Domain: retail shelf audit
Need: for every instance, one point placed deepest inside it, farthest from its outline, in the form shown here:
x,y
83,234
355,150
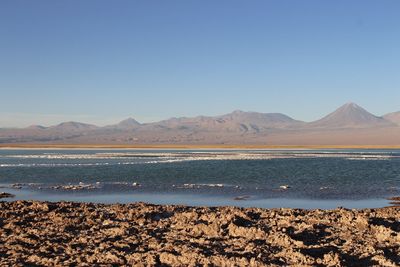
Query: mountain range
x,y
348,125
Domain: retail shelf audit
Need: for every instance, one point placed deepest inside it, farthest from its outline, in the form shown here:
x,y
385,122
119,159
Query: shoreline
x,y
63,233
74,193
206,201
192,146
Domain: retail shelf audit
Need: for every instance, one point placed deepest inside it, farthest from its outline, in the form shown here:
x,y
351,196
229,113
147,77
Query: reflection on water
x,y
196,200
271,178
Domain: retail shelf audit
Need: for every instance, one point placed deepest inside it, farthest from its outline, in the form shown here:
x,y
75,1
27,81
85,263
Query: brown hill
x,y
393,117
348,125
351,115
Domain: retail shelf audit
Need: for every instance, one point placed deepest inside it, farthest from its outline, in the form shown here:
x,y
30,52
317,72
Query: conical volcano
x,y
351,115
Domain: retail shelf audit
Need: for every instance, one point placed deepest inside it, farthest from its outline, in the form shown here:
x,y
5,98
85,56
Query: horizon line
x,y
350,103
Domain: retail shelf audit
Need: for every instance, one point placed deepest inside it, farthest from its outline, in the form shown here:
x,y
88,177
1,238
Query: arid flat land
x,y
190,146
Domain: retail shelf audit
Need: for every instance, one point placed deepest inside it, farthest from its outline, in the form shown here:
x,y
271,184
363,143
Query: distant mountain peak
x,y
36,127
351,105
129,121
73,125
261,120
350,115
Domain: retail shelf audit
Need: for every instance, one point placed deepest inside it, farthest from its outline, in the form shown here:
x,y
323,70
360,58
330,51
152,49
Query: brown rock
x,y
141,234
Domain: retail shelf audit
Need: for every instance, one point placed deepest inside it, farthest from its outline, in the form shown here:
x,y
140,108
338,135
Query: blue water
x,y
263,178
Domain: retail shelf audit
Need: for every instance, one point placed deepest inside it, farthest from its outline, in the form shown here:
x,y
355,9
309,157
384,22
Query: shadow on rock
x,y
312,236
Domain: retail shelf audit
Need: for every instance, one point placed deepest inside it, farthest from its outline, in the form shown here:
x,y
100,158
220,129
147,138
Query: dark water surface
x,y
263,178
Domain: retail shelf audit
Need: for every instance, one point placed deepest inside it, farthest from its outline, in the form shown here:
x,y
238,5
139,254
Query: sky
x,y
102,61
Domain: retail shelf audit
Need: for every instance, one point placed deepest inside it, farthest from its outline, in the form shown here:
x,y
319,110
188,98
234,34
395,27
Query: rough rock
x,y
36,233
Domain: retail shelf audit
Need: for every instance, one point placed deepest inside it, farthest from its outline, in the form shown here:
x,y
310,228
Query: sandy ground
x,y
83,234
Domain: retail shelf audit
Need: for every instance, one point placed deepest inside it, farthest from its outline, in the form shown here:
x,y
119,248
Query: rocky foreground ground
x,y
82,234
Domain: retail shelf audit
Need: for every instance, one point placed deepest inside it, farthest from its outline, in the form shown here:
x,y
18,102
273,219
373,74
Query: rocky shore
x,y
83,234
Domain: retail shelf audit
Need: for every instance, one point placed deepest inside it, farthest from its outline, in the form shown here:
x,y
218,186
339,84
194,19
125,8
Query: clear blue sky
x,y
102,61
